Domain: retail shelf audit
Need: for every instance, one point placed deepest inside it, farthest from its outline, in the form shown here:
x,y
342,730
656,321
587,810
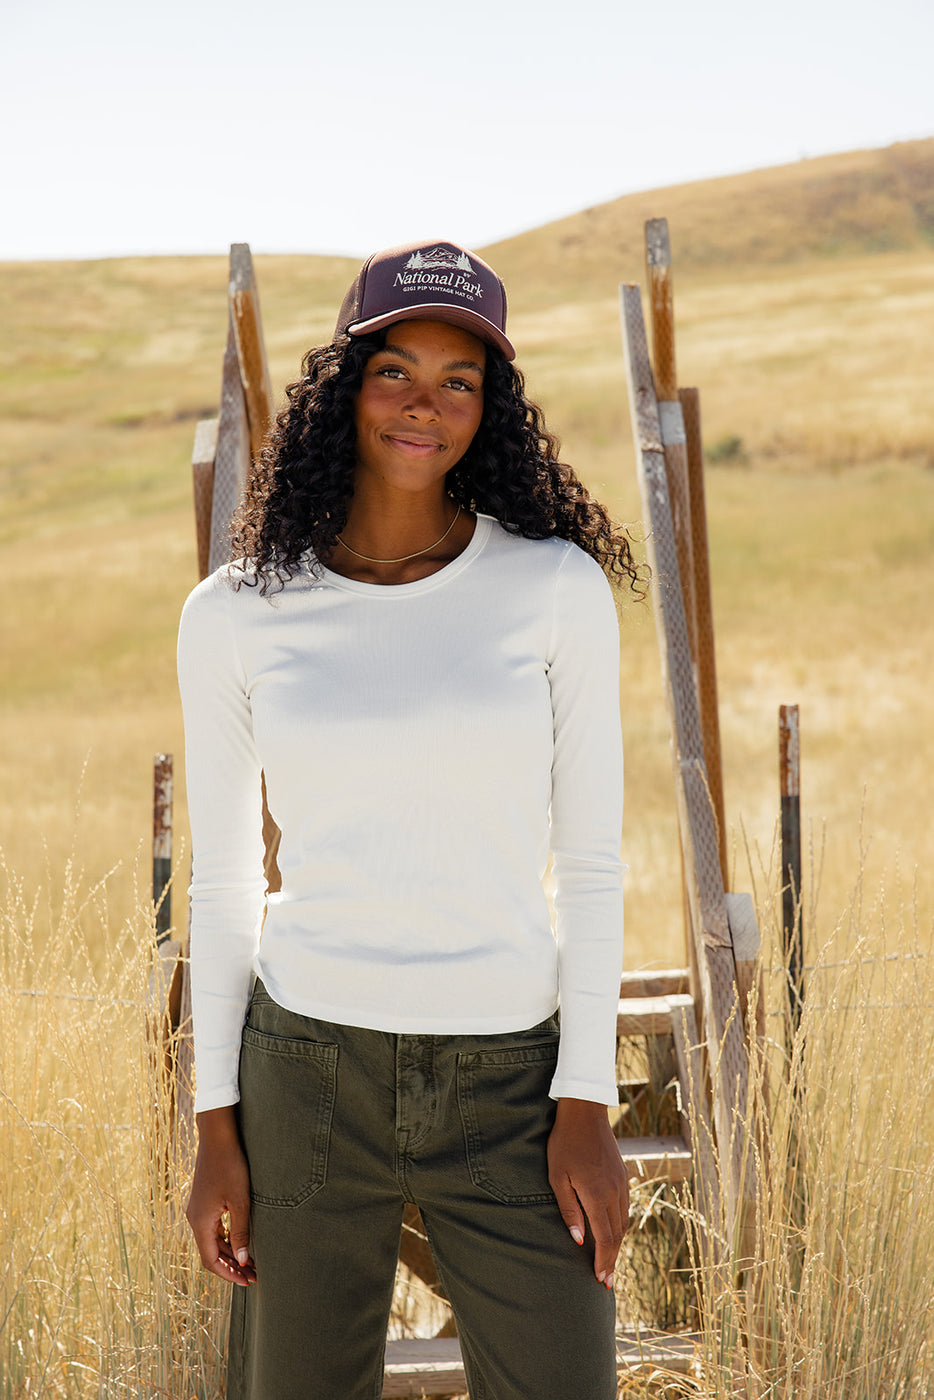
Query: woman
x,y
418,650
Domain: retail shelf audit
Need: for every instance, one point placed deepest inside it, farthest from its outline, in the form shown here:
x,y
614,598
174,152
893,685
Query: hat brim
x,y
453,315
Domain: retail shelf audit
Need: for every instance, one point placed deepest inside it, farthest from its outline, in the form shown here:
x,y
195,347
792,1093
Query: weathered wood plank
x,y
666,982
671,421
232,458
247,325
202,475
435,1367
643,1016
662,1158
744,931
695,1116
703,607
662,307
674,443
723,1026
670,1351
431,1367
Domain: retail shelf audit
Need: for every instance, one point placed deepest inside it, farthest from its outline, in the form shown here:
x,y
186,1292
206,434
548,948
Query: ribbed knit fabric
x,y
424,746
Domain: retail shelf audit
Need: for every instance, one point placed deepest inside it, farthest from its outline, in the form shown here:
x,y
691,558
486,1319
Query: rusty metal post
x,y
789,762
162,844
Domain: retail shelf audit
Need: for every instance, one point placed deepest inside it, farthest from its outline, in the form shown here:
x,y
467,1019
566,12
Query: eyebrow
x,y
452,365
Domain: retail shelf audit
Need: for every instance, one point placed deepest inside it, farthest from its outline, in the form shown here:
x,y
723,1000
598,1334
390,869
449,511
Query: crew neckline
x,y
478,539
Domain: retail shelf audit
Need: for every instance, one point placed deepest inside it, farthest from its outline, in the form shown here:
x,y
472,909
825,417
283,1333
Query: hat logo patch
x,y
439,257
441,270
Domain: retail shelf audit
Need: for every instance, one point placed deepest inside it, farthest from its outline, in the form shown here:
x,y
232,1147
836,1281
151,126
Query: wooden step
x,y
435,1367
643,1016
432,1367
664,1351
664,982
656,1158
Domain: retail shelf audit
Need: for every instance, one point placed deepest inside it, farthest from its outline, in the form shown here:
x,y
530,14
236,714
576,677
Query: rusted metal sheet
x,y
162,843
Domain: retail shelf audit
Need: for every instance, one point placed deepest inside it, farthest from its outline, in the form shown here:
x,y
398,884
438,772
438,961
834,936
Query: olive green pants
x,y
342,1127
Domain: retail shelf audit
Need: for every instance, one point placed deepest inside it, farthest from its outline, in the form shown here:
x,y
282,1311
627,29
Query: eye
x,y
463,385
391,371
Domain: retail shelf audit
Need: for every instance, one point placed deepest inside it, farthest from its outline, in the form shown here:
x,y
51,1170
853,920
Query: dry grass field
x,y
805,314
813,362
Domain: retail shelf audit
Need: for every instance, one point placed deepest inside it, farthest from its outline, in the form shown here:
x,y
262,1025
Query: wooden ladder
x,y
657,1019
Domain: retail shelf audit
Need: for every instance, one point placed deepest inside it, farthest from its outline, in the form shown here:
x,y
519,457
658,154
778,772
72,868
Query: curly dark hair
x,y
298,493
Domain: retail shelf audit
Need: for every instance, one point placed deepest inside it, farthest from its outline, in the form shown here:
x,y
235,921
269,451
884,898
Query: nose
x,y
422,404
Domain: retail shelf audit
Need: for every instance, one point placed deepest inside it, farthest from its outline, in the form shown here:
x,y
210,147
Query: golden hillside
x,y
875,201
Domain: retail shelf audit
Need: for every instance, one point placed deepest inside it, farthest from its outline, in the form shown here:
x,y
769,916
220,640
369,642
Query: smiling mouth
x,y
413,446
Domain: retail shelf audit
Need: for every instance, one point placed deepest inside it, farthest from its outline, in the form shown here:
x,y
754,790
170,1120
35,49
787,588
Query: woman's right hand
x,y
221,1184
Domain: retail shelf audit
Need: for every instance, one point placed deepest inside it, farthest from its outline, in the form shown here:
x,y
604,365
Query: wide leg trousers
x,y
342,1126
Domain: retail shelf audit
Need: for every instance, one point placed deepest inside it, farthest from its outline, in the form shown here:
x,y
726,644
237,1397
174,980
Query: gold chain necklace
x,y
403,557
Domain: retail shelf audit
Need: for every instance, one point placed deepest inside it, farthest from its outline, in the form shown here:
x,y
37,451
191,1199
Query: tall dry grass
x,y
101,1291
837,1298
102,1294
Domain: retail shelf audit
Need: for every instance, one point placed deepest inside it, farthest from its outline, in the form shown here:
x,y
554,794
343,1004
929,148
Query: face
x,y
420,404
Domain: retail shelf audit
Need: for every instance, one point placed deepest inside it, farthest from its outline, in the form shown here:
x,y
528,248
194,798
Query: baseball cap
x,y
427,282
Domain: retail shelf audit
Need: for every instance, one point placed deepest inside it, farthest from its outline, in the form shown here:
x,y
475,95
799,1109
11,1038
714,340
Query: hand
x,y
588,1178
221,1184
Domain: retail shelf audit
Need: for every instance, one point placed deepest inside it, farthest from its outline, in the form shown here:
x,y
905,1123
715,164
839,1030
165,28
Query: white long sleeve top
x,y
424,746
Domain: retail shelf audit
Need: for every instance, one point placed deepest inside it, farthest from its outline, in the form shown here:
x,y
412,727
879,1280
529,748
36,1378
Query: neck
x,y
390,529
406,536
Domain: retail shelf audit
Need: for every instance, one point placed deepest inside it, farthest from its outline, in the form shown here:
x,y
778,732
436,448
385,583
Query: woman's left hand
x,y
589,1179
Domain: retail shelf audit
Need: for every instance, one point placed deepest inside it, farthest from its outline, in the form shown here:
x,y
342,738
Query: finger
x,y
228,1267
606,1227
216,1252
570,1208
239,1234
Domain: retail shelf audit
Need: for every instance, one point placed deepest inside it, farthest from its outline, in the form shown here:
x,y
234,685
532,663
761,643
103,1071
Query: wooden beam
x,y
643,1016
723,1025
661,302
202,474
247,327
664,1158
419,1367
695,1117
666,982
703,607
744,931
232,458
671,421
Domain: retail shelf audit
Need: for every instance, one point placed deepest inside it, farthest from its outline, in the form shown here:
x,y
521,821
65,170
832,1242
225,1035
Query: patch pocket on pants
x,y
287,1091
507,1115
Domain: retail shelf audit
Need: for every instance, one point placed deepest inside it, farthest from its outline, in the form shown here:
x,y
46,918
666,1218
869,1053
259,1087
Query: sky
x,y
132,128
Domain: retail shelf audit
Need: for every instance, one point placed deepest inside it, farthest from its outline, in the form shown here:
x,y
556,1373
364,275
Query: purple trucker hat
x,y
427,282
